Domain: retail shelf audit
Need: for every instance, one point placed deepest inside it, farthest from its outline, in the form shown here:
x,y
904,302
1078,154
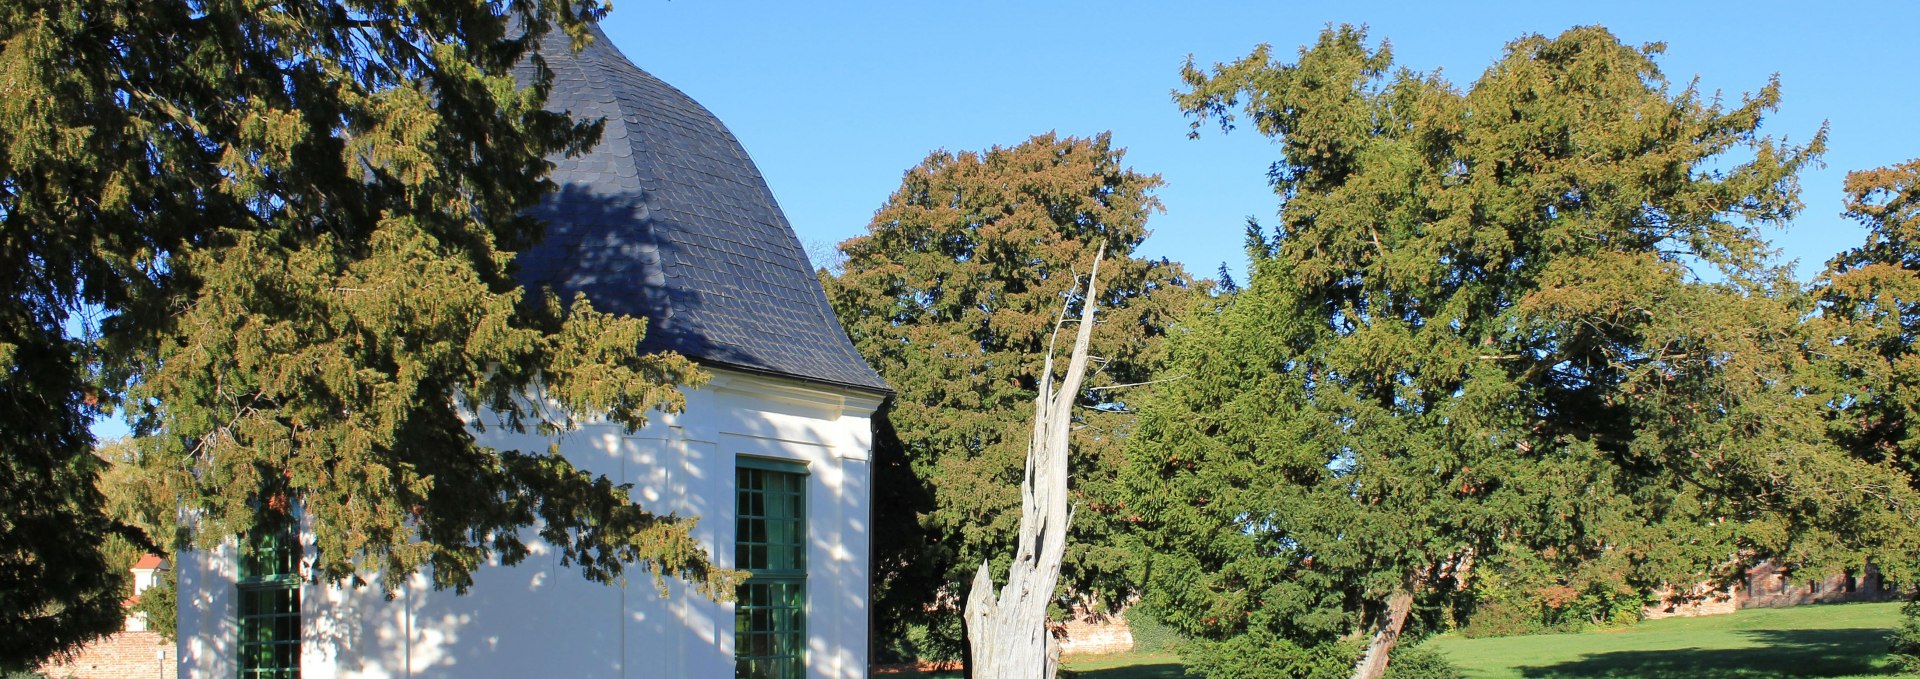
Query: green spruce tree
x,y
295,223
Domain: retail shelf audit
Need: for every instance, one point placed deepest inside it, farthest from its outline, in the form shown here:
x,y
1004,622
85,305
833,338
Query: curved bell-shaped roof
x,y
668,218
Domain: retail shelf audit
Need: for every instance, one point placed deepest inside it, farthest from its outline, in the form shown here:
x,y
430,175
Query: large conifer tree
x,y
1871,305
1532,314
294,222
1872,300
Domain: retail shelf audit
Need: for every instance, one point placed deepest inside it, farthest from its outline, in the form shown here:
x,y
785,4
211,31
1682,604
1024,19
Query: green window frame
x,y
269,593
770,544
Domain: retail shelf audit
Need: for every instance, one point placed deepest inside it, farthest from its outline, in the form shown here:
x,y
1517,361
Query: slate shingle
x,y
668,218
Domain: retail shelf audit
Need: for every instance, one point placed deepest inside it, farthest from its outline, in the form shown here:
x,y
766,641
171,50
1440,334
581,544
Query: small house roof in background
x,y
148,562
669,219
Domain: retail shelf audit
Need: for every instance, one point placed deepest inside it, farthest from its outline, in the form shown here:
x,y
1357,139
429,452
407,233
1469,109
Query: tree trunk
x,y
1373,664
1008,634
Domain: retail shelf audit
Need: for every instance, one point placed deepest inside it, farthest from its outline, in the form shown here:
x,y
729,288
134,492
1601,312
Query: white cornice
x,y
837,402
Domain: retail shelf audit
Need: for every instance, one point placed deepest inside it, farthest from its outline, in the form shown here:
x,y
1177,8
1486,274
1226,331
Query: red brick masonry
x,y
127,655
1768,586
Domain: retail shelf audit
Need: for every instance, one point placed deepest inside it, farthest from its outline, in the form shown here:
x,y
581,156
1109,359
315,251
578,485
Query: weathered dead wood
x,y
1008,633
1393,621
1373,663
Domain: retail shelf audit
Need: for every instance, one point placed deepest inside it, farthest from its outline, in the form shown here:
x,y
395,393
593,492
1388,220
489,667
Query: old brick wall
x,y
1703,599
1772,587
1769,586
1090,633
127,655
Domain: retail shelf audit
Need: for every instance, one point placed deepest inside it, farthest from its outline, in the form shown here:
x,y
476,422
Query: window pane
x,y
269,607
770,544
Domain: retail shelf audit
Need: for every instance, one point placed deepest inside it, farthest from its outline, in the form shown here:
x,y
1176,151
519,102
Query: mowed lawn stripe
x,y
1808,641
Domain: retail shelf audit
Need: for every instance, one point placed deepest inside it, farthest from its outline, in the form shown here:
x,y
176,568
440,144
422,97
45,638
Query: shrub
x,y
1149,634
1260,655
1906,638
921,643
1522,592
1501,620
1421,662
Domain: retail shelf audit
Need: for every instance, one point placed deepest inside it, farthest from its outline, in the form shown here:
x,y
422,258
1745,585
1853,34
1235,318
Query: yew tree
x,y
289,227
1871,305
1533,313
952,295
1871,297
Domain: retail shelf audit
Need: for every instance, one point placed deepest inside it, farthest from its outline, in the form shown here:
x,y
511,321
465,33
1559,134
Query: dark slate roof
x,y
668,218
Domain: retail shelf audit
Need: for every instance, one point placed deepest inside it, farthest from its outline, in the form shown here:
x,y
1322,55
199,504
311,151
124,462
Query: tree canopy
x,y
953,295
1870,299
1536,314
294,225
1871,296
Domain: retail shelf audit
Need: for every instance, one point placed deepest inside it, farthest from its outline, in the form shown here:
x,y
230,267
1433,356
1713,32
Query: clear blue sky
x,y
835,100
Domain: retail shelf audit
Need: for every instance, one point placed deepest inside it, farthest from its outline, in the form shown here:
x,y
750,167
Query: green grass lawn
x,y
1127,666
1840,640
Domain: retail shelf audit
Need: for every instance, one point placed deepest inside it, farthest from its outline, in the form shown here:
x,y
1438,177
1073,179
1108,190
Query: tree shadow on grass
x,y
1784,653
1166,670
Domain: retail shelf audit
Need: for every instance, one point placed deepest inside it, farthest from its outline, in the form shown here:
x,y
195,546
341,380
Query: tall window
x,y
270,607
770,610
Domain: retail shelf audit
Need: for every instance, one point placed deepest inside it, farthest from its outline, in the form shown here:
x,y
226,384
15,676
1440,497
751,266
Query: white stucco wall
x,y
540,619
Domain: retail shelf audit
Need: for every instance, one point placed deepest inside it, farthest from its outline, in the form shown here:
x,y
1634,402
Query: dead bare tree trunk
x,y
1373,663
1008,633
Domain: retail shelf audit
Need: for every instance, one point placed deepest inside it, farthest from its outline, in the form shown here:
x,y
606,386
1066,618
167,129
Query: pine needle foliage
x,y
1533,313
294,222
